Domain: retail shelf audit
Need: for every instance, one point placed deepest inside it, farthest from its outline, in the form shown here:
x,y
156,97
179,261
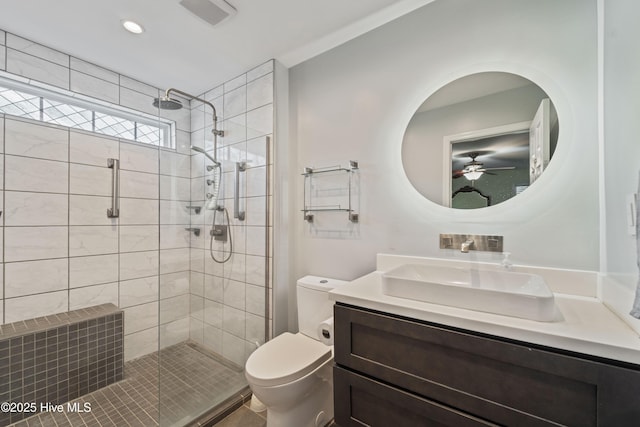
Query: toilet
x,y
293,373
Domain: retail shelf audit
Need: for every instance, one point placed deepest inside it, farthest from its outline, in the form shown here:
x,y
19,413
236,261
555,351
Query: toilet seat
x,y
285,359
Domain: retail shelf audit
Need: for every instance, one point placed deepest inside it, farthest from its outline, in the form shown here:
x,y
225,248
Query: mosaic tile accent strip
x,y
57,358
180,384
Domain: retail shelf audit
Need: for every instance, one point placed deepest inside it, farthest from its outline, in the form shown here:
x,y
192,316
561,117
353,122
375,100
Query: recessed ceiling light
x,y
132,27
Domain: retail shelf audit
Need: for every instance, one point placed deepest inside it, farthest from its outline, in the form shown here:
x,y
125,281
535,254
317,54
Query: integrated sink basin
x,y
500,292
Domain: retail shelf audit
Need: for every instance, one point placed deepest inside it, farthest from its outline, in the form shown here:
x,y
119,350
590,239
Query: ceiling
x,y
179,49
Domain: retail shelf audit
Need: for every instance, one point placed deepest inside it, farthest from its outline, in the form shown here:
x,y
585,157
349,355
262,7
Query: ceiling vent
x,y
211,11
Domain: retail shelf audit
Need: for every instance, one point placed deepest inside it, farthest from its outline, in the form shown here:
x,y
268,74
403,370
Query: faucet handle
x,y
506,261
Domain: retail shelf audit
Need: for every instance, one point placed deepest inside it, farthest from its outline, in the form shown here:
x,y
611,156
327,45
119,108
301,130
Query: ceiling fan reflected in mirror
x,y
474,169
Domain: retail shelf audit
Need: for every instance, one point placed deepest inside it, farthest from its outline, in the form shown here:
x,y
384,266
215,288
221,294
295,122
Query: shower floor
x,y
188,380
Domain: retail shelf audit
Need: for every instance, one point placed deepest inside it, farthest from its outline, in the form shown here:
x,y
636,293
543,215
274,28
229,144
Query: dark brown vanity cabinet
x,y
392,371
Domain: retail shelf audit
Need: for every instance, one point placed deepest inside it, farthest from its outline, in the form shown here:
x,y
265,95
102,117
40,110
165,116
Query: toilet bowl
x,y
293,373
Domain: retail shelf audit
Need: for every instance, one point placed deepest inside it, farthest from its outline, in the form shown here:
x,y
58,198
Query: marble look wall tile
x,y
138,158
140,343
213,288
94,70
90,210
233,321
36,68
196,310
260,92
139,211
234,294
24,138
256,181
138,101
174,188
256,211
255,269
174,260
198,186
33,243
93,240
235,130
1,127
3,57
27,174
257,151
255,298
174,284
93,295
260,122
32,209
140,317
214,93
254,328
175,164
260,70
135,238
35,49
174,308
139,185
93,270
29,307
89,180
233,348
212,338
35,277
196,330
91,149
136,265
197,260
172,212
138,291
235,102
174,237
256,240
94,87
183,142
174,332
213,313
235,83
196,283
138,86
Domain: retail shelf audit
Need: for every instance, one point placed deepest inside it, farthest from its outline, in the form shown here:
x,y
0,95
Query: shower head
x,y
167,103
200,150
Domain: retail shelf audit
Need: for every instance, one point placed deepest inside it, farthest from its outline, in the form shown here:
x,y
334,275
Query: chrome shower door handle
x,y
240,167
114,210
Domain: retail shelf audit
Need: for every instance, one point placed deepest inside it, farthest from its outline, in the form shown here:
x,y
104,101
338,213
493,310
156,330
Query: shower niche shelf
x,y
329,189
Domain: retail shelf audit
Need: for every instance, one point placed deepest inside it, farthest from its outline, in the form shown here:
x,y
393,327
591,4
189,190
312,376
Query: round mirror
x,y
480,140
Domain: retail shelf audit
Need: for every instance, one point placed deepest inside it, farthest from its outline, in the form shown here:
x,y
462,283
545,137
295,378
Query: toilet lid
x,y
285,358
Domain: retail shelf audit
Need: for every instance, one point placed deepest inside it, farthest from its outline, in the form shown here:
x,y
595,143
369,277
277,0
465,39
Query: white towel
x,y
635,310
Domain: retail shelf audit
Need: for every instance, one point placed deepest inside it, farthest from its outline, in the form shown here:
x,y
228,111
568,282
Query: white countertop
x,y
585,325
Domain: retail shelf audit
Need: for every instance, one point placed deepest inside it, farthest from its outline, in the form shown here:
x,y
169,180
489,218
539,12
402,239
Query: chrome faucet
x,y
464,248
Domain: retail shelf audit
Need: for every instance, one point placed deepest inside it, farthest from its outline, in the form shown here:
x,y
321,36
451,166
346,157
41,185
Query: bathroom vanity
x,y
401,362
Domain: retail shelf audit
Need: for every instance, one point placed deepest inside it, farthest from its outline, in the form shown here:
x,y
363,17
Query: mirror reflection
x,y
480,140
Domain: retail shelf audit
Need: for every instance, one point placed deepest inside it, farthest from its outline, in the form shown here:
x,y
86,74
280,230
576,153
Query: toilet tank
x,y
314,304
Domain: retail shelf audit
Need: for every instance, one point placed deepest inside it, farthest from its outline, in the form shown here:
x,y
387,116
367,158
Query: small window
x,y
70,110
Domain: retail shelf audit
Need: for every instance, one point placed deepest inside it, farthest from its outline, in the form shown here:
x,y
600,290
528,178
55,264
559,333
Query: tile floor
x,y
189,380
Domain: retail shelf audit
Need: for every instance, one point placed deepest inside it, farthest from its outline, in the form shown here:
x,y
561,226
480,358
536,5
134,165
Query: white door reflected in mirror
x,y
479,140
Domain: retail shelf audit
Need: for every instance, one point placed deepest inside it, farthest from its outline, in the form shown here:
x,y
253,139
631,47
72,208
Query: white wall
x,y
355,101
621,148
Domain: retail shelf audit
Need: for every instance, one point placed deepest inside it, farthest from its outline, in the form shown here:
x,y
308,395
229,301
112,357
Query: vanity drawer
x,y
365,402
498,380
